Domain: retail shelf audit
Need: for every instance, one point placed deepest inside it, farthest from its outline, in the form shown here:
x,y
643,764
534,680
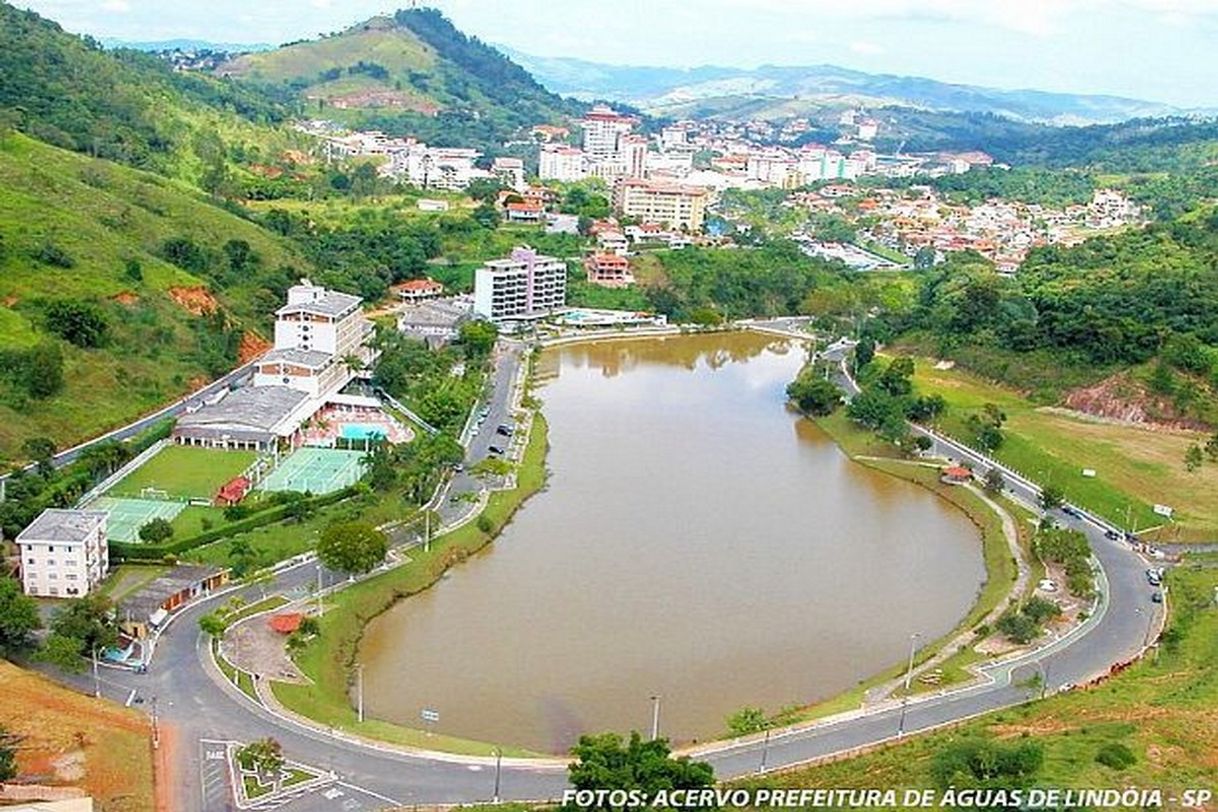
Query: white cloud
x,y
861,46
116,6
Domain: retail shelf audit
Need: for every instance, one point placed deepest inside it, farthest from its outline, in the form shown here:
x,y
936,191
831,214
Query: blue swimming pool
x,y
362,431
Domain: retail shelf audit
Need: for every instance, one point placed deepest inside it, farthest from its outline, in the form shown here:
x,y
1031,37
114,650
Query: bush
x,y
156,531
52,254
1116,756
80,323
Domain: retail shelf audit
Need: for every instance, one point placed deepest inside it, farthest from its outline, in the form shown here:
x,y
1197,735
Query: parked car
x,y
1070,511
1156,597
495,450
1112,534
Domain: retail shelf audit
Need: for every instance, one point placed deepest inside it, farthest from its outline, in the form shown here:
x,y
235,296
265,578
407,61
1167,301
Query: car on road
x,y
1156,597
1112,534
1153,579
496,450
505,430
1073,512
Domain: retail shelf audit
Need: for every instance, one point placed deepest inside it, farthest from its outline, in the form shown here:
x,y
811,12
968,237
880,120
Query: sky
x,y
1157,50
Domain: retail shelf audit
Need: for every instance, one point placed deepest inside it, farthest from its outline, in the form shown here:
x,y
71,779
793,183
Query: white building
x,y
64,553
634,155
603,129
510,172
676,137
526,285
449,168
562,163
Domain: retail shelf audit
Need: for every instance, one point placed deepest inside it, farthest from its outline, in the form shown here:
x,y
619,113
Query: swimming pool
x,y
362,431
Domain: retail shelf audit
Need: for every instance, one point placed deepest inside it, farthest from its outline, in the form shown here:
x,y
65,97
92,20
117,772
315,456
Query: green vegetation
x,y
18,619
352,547
1163,704
183,471
91,347
607,762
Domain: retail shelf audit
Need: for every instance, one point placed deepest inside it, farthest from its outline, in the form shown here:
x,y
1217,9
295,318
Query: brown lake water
x,y
696,541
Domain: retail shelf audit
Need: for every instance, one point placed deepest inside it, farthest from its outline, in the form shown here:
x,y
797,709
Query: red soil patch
x,y
265,171
197,300
297,157
252,345
10,301
125,298
1121,398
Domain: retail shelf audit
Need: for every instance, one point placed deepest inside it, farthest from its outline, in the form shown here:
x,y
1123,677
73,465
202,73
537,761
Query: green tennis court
x,y
127,516
316,470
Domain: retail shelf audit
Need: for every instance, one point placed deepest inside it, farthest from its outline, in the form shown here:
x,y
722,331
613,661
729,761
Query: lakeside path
x,y
200,707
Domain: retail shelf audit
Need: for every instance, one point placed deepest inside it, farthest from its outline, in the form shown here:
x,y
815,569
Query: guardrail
x,y
109,482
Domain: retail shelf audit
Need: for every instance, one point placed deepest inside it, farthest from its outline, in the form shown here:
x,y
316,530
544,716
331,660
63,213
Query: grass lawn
x,y
110,745
1163,711
327,661
128,578
185,471
1136,467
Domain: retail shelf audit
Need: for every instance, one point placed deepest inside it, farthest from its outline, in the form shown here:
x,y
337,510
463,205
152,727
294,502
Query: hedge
x,y
129,551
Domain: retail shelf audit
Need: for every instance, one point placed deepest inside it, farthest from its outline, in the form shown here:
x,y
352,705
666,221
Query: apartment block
x,y
670,204
64,553
526,285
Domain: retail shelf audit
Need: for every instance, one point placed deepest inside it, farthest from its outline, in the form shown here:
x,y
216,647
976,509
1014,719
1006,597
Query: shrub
x,y
156,531
1116,756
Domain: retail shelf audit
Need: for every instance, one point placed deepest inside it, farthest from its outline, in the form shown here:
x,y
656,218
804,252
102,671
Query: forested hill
x,y
412,72
1144,299
122,105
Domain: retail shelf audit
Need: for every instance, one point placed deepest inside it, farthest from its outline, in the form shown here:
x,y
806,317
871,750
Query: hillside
x,y
774,92
131,107
142,287
411,73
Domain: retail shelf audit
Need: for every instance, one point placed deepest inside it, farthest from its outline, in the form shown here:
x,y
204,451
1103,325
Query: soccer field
x,y
185,472
316,470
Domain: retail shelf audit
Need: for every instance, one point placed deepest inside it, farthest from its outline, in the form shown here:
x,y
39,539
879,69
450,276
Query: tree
x,y
478,338
814,395
923,443
994,482
40,450
896,377
8,754
263,755
1192,457
63,652
89,620
1051,497
606,762
924,259
156,531
1211,447
864,351
747,720
18,618
976,763
212,625
80,323
352,547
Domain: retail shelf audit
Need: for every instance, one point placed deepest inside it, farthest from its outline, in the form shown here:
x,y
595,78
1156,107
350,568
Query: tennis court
x,y
315,470
127,516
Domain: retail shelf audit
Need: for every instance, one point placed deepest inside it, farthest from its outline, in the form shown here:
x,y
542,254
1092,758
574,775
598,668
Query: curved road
x,y
199,707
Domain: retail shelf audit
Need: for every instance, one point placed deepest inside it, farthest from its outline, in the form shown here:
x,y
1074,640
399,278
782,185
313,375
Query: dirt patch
x,y
297,157
125,298
75,740
197,300
1122,399
9,301
374,99
252,345
1041,727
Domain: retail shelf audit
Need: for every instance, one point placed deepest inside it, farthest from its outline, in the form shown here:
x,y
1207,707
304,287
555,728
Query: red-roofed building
x,y
285,623
417,290
232,492
523,212
956,475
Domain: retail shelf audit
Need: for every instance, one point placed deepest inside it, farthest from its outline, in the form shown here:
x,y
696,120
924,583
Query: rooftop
x,y
260,408
329,303
314,359
59,525
149,598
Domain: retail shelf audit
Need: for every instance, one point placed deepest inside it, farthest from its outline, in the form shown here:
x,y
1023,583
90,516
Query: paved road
x,y
200,708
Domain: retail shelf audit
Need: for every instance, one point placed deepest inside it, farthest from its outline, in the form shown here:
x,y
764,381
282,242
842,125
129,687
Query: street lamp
x,y
765,751
913,641
498,767
96,676
655,717
359,690
319,588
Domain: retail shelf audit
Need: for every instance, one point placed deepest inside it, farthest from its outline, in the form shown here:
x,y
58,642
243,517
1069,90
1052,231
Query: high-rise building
x,y
670,204
526,285
562,163
604,128
633,151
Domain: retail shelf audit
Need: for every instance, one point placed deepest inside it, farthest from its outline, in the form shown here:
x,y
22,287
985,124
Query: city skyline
x,y
1075,46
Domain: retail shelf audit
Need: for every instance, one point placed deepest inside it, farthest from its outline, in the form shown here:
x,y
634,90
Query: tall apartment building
x,y
526,285
634,155
509,171
603,129
673,205
64,553
562,163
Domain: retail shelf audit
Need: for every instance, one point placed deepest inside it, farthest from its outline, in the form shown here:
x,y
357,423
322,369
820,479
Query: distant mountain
x,y
775,92
413,71
157,46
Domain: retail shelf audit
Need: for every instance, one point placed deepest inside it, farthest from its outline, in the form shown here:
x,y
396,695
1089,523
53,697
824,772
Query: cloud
x,y
860,46
116,6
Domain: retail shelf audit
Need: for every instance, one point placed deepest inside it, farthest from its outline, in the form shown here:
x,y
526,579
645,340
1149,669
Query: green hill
x,y
131,107
141,285
410,73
